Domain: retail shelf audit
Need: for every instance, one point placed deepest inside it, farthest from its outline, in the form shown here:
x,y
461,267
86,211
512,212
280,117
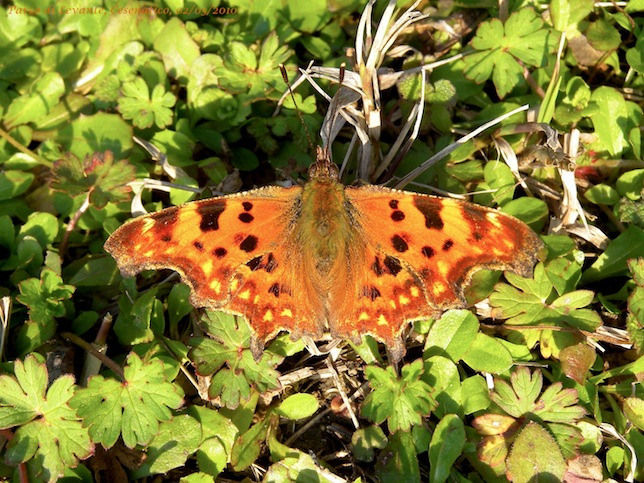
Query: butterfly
x,y
324,256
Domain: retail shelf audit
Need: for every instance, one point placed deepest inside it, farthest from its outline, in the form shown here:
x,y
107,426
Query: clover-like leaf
x,y
246,71
555,409
402,402
50,436
521,397
98,176
529,302
143,109
504,49
45,298
230,345
132,408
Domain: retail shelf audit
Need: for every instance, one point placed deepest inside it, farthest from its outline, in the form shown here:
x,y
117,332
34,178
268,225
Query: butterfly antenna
x,y
297,109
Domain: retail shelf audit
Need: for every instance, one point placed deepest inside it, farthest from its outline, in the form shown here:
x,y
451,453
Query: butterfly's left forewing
x,y
235,253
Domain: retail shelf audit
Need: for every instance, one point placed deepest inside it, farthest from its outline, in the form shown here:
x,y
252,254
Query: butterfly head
x,y
323,168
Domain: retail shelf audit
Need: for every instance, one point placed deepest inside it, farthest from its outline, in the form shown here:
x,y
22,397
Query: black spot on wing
x,y
246,217
254,263
428,252
430,209
166,238
397,216
399,243
249,244
210,212
371,292
376,267
447,245
263,262
389,265
271,263
275,290
393,265
220,252
247,205
198,245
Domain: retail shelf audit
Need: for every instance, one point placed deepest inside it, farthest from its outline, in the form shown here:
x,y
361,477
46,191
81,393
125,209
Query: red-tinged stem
x,y
72,224
118,370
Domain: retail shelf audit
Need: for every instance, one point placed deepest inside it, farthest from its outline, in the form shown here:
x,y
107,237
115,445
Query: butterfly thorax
x,y
324,228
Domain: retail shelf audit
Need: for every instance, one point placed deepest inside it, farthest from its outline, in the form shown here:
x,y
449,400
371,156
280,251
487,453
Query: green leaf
x,y
634,411
100,177
533,304
535,455
475,394
219,435
506,48
635,56
611,263
45,298
631,184
635,318
521,398
248,445
42,226
499,177
135,318
230,345
602,194
602,35
179,303
14,183
573,300
97,133
446,446
611,120
177,49
133,408
452,334
488,354
532,211
298,406
50,436
246,71
145,109
398,461
563,273
175,441
402,402
298,466
308,15
43,96
443,377
567,13
366,440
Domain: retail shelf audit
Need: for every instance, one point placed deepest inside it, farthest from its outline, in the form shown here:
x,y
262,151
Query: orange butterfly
x,y
356,260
